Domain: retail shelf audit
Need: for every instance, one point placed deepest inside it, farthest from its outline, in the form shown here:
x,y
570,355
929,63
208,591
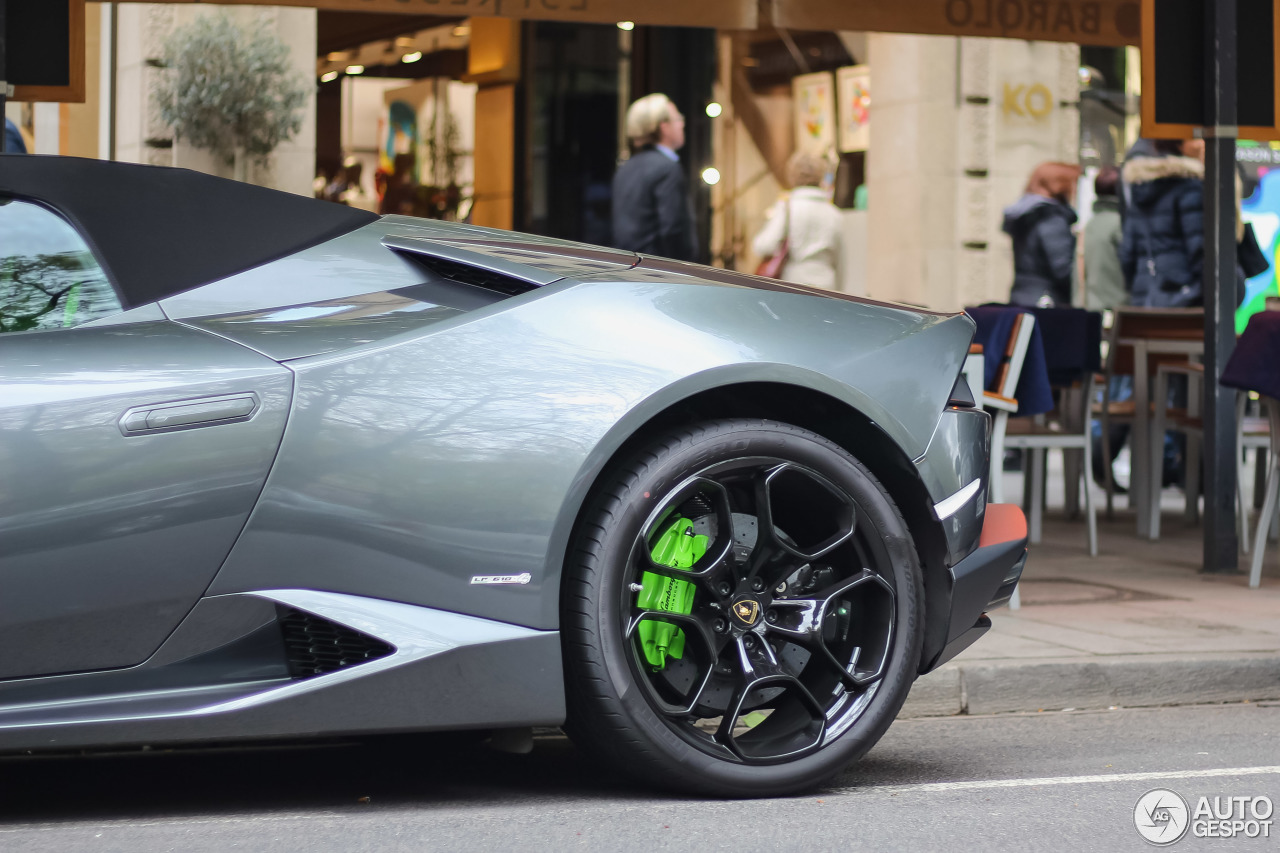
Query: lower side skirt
x,y
447,671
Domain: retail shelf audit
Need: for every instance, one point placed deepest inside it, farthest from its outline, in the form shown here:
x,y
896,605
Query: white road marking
x,y
1098,779
126,823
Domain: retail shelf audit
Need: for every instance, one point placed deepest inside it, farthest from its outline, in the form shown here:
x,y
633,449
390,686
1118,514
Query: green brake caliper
x,y
678,548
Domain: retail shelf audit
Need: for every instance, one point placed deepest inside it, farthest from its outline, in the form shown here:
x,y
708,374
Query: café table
x,y
1153,335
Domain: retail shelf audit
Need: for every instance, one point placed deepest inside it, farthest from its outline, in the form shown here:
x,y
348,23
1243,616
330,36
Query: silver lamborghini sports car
x,y
276,468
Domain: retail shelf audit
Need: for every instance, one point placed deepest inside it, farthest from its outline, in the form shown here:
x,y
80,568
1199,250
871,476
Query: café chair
x,y
1071,341
973,370
1187,421
1002,401
1148,337
1272,489
1068,427
1252,433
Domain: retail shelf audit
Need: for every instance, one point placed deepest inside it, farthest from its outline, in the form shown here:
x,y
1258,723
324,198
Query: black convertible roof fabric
x,y
160,231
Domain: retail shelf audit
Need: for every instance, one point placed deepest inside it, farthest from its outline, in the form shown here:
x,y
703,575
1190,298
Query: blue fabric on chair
x,y
994,323
1072,342
1255,363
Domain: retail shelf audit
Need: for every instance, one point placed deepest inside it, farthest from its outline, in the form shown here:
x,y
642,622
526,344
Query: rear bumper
x,y
984,580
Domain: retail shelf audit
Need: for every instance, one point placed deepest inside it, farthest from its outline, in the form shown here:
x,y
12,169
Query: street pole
x,y
4,84
1221,548
624,92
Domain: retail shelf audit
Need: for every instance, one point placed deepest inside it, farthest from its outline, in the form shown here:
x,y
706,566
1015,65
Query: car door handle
x,y
189,414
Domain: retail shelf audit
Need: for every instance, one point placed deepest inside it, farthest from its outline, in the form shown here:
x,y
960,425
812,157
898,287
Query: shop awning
x,y
724,14
1094,22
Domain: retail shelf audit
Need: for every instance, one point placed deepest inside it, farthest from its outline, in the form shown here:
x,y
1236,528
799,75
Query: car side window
x,y
48,277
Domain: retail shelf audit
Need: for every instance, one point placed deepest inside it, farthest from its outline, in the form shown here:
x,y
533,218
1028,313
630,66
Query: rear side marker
x,y
950,506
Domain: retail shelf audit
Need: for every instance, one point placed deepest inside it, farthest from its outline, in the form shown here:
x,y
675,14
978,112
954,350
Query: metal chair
x,y
1069,430
1272,493
1251,433
1002,401
1187,421
1140,340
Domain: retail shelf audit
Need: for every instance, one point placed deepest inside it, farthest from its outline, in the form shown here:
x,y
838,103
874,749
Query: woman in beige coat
x,y
808,222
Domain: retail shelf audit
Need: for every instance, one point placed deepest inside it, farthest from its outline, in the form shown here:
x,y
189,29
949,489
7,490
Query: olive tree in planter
x,y
230,91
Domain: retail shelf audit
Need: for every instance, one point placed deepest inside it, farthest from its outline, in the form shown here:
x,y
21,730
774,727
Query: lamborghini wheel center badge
x,y
746,611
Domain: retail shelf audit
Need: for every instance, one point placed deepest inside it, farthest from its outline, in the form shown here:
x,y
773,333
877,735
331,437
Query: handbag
x,y
771,267
1249,254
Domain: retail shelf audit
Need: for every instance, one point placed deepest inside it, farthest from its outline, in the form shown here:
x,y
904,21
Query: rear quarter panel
x,y
410,466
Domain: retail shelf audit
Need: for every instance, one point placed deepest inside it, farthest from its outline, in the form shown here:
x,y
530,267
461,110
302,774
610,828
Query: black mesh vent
x,y
467,274
315,646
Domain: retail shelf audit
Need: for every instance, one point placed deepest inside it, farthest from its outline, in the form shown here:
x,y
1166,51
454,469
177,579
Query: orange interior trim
x,y
1003,523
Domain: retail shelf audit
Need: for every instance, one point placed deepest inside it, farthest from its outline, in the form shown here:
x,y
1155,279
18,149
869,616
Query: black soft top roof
x,y
160,231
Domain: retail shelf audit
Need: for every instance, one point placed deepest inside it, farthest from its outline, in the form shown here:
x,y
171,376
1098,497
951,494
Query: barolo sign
x,y
1098,22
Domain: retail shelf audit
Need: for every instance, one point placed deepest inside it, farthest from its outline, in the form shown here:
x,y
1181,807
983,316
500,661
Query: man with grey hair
x,y
652,213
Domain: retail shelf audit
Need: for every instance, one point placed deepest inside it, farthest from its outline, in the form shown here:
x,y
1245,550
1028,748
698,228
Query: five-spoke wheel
x,y
740,611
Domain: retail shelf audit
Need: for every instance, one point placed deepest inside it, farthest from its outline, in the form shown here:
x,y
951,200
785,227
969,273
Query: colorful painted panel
x,y
854,85
1262,211
815,112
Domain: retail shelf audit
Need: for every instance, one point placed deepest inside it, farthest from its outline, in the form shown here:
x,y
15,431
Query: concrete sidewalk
x,y
1138,625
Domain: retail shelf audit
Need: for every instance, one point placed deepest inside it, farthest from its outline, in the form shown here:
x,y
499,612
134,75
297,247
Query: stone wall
x,y
957,125
143,28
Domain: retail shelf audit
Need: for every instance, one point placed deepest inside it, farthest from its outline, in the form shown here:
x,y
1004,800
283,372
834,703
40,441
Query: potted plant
x,y
444,194
230,91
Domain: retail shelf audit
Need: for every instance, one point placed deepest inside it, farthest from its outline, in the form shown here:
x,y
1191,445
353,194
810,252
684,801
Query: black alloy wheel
x,y
740,611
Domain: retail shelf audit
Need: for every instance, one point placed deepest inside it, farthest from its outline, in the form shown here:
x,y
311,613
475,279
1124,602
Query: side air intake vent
x,y
475,276
315,646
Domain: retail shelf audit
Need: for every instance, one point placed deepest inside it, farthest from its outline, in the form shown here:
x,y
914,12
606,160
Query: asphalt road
x,y
1062,781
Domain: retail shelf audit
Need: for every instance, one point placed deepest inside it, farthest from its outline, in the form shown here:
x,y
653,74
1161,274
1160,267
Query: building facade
x,y
956,125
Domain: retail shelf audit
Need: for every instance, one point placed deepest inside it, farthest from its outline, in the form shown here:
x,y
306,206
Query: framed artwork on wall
x,y
853,96
815,112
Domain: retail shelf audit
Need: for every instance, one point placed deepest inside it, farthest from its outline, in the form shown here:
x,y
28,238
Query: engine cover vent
x,y
315,646
475,276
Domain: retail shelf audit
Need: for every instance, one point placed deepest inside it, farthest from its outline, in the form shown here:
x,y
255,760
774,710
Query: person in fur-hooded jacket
x,y
1162,247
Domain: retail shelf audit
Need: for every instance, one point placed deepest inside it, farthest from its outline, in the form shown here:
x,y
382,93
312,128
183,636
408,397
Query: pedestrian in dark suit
x,y
652,213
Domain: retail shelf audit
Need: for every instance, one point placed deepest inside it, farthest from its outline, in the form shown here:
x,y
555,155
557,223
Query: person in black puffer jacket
x,y
1044,246
1162,249
1162,246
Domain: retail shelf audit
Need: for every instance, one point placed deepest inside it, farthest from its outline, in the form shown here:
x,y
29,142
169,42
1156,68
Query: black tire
x,y
807,678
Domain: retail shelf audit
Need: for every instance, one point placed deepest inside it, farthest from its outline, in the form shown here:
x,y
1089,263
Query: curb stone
x,y
1125,681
